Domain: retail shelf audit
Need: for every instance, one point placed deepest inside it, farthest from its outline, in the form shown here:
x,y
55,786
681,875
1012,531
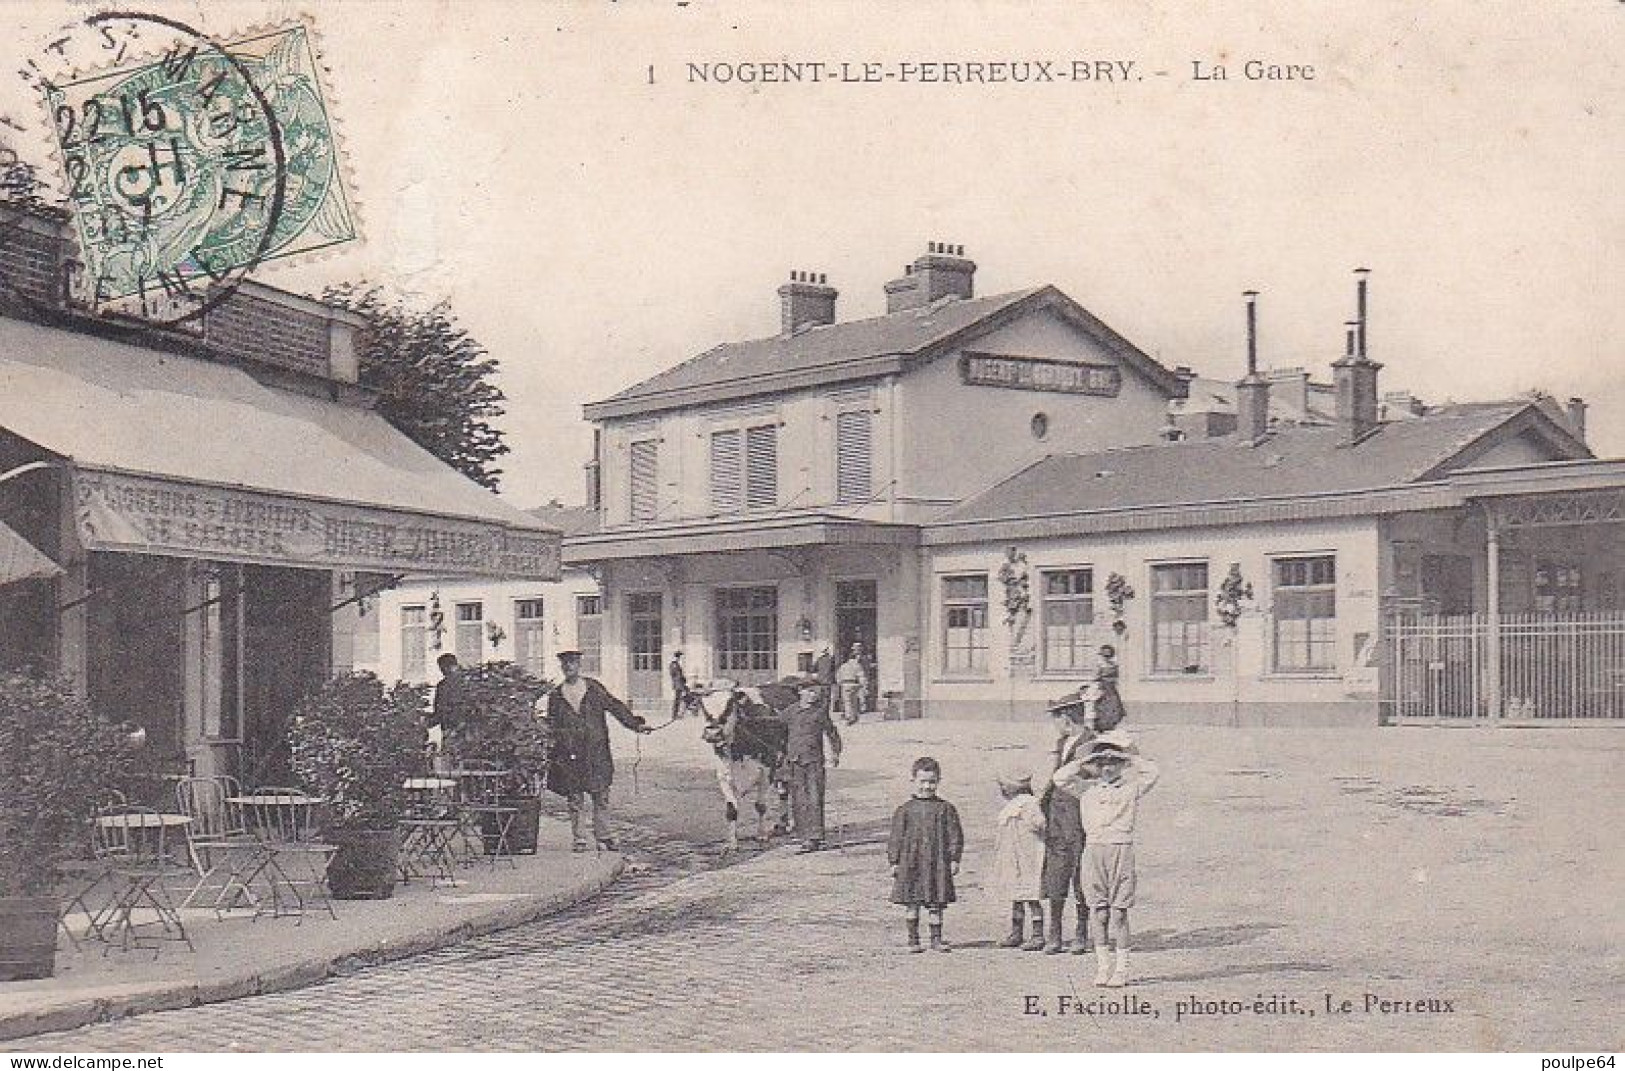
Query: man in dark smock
x,y
581,764
809,726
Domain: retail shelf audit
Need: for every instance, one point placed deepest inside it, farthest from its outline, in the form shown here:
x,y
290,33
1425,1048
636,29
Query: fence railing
x,y
1528,668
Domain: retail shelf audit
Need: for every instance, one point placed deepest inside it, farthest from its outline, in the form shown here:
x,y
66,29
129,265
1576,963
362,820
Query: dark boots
x,y
1080,943
914,935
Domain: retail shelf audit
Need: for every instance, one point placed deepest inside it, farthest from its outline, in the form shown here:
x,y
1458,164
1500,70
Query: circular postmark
x,y
174,165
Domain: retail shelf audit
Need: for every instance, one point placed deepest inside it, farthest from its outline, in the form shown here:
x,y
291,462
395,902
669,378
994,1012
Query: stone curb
x,y
297,975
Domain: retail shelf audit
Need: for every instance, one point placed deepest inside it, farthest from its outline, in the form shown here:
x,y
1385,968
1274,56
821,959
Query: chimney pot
x,y
806,301
1253,391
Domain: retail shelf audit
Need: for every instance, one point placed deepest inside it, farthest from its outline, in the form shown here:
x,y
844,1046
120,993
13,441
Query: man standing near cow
x,y
581,764
679,684
809,726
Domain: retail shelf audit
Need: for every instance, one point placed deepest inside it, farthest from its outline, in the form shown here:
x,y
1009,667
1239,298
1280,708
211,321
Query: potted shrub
x,y
354,743
500,729
58,762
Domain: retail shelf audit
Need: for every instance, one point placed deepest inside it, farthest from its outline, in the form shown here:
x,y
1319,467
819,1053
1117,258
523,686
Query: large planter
x,y
522,833
27,937
366,864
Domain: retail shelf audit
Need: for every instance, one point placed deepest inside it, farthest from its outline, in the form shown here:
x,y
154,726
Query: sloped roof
x,y
847,350
1294,460
111,405
569,520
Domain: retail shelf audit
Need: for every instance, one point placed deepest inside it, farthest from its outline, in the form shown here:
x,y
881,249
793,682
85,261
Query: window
x,y
1305,614
964,611
414,642
1179,618
527,637
747,630
762,467
589,633
727,471
645,484
854,443
643,627
1068,619
470,633
744,468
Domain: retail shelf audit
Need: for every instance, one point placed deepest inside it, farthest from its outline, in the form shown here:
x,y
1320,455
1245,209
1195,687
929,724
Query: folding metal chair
x,y
480,791
293,858
141,850
222,849
430,831
79,880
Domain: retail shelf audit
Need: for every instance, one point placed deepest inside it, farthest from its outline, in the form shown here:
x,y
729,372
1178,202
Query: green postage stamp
x,y
186,171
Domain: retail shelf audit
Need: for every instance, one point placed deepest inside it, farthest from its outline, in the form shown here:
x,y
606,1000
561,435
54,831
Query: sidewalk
x,y
241,956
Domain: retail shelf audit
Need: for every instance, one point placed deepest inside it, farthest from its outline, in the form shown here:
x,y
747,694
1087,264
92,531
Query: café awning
x,y
182,456
20,560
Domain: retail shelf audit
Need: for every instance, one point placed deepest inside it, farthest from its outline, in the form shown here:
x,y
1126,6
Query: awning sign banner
x,y
143,514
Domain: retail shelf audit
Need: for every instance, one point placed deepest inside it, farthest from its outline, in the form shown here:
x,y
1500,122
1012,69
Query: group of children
x,y
1073,834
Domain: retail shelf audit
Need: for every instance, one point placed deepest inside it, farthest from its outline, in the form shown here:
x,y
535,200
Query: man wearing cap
x,y
581,764
809,726
1063,826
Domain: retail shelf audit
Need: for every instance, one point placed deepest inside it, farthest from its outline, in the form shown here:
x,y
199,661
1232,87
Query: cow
x,y
749,743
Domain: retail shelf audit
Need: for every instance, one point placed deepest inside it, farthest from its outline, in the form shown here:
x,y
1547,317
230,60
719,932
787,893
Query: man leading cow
x,y
581,764
809,726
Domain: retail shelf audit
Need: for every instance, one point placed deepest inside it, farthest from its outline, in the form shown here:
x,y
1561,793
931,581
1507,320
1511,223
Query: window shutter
x,y
761,466
727,475
645,471
853,442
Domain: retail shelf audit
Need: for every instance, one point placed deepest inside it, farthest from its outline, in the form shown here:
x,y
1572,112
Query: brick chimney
x,y
1355,375
1576,410
944,271
1253,390
806,301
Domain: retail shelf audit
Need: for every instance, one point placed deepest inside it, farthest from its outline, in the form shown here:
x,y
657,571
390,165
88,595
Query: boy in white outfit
x,y
1109,782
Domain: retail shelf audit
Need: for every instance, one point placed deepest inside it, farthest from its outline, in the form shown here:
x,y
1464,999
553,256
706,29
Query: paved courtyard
x,y
1473,873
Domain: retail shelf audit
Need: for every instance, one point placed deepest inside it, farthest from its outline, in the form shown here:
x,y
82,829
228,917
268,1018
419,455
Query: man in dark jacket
x,y
447,714
581,764
809,723
679,684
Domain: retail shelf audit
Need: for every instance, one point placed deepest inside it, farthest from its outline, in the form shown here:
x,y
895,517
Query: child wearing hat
x,y
1063,829
1018,859
1109,782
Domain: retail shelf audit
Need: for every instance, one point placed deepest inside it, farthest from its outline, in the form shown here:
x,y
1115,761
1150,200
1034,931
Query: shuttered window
x,y
645,469
853,445
727,471
590,633
414,642
470,633
761,466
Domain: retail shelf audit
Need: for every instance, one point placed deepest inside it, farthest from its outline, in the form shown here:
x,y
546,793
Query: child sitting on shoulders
x,y
924,849
1109,782
1018,860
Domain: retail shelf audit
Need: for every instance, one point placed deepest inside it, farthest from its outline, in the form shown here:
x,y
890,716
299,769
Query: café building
x,y
196,519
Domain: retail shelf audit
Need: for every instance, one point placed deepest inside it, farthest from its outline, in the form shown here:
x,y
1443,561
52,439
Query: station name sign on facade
x,y
143,514
1041,374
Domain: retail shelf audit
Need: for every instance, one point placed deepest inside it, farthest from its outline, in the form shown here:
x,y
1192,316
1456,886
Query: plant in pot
x,y
499,730
58,764
354,743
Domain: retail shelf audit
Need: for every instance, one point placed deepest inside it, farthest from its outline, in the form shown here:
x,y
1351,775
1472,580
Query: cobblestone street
x,y
1291,865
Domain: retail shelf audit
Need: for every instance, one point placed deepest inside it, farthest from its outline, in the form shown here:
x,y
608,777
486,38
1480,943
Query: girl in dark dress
x,y
926,844
1063,827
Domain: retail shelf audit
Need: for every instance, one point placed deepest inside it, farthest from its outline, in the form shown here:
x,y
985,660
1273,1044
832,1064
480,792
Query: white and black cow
x,y
749,742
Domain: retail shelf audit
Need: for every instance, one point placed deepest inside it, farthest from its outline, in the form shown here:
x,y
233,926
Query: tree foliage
x,y
58,763
355,742
435,380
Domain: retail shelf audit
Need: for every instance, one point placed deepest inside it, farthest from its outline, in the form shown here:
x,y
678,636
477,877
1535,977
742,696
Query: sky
x,y
592,228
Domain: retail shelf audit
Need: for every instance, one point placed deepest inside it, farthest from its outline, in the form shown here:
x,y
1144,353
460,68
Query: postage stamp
x,y
186,171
